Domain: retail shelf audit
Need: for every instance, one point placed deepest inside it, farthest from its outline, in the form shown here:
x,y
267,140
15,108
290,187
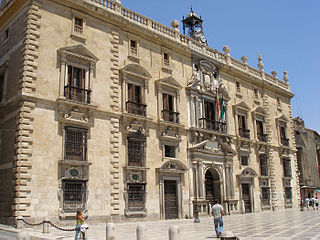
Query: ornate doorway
x,y
212,186
170,199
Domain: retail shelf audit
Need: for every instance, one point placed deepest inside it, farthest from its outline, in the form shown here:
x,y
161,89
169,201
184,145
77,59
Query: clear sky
x,y
285,32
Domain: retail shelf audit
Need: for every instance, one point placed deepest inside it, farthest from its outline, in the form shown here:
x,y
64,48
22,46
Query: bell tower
x,y
193,24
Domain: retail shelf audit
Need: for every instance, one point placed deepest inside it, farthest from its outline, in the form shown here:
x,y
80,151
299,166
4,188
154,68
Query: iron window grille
x,y
264,165
76,143
287,168
265,192
74,195
136,197
136,145
288,194
244,160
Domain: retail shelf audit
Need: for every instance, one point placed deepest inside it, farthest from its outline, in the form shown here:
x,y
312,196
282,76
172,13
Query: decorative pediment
x,y
136,70
169,82
248,172
242,106
173,165
260,111
282,118
170,135
75,115
79,51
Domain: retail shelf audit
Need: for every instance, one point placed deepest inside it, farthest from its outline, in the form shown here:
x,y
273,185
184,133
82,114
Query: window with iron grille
x,y
78,25
74,195
244,160
76,143
136,197
136,143
265,191
287,167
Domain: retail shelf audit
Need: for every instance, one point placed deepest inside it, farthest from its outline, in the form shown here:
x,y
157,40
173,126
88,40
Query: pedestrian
x,y
307,202
217,212
313,203
317,203
79,226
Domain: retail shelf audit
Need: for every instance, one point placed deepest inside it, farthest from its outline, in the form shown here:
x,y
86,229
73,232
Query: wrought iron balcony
x,y
77,94
213,125
263,137
136,108
285,141
170,116
245,133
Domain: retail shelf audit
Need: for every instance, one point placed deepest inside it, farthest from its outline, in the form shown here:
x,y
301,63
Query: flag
x,y
218,107
222,109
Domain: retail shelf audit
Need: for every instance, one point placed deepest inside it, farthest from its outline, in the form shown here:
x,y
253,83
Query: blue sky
x,y
285,32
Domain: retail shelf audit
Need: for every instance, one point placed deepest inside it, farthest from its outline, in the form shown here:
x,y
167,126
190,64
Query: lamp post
x,y
196,210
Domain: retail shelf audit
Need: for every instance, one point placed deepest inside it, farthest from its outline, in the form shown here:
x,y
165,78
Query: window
x,y
136,197
76,89
169,151
238,87
5,35
278,102
78,25
288,194
260,133
168,112
287,168
244,160
166,59
136,145
209,120
133,48
284,140
264,165
265,192
76,143
256,94
1,87
243,132
74,195
134,103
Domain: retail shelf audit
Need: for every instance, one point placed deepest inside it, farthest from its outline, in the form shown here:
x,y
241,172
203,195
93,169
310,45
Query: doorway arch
x,y
212,185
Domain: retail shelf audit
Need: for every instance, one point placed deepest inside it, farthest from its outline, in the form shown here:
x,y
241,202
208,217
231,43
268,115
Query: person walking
x,y
307,202
79,227
313,203
217,212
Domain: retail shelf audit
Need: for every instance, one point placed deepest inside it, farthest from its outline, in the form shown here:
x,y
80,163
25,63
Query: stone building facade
x,y
308,158
105,110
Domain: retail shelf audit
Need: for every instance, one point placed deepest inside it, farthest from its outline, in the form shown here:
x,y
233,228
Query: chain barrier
x,y
53,225
32,224
62,229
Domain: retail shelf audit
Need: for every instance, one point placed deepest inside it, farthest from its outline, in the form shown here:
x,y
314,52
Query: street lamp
x,y
196,210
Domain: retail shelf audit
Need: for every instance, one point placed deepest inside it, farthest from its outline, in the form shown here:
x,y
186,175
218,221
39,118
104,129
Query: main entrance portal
x,y
212,185
170,199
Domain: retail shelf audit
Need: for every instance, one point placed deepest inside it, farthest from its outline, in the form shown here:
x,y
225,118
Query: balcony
x,y
245,133
213,125
77,94
170,116
285,141
136,108
263,137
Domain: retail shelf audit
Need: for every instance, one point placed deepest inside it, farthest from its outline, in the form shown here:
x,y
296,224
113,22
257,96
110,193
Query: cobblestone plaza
x,y
289,224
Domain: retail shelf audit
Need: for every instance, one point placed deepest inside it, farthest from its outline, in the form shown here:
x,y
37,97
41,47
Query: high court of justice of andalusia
x,y
105,110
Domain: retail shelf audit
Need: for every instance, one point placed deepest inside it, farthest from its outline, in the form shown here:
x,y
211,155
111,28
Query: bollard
x,y
23,236
141,232
19,222
174,233
243,208
110,228
46,225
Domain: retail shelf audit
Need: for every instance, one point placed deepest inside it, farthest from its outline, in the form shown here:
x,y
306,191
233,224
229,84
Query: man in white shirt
x,y
217,212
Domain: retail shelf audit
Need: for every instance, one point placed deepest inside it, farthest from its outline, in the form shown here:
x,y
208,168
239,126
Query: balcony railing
x,y
263,137
213,125
285,141
170,116
136,108
77,94
245,133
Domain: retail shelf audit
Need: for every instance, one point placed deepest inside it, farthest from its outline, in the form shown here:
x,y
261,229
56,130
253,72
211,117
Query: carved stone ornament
x,y
74,114
170,133
134,127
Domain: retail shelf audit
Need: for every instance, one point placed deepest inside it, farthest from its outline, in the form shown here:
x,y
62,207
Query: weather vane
x,y
191,4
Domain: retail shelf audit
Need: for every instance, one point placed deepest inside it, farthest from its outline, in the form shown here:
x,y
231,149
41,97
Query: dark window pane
x,y
76,143
1,86
74,195
136,197
265,194
170,151
244,160
135,152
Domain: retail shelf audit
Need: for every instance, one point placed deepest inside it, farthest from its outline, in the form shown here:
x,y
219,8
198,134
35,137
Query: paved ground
x,y
289,224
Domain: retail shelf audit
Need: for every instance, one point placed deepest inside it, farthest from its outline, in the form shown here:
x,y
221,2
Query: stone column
x,y
227,172
231,180
200,180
